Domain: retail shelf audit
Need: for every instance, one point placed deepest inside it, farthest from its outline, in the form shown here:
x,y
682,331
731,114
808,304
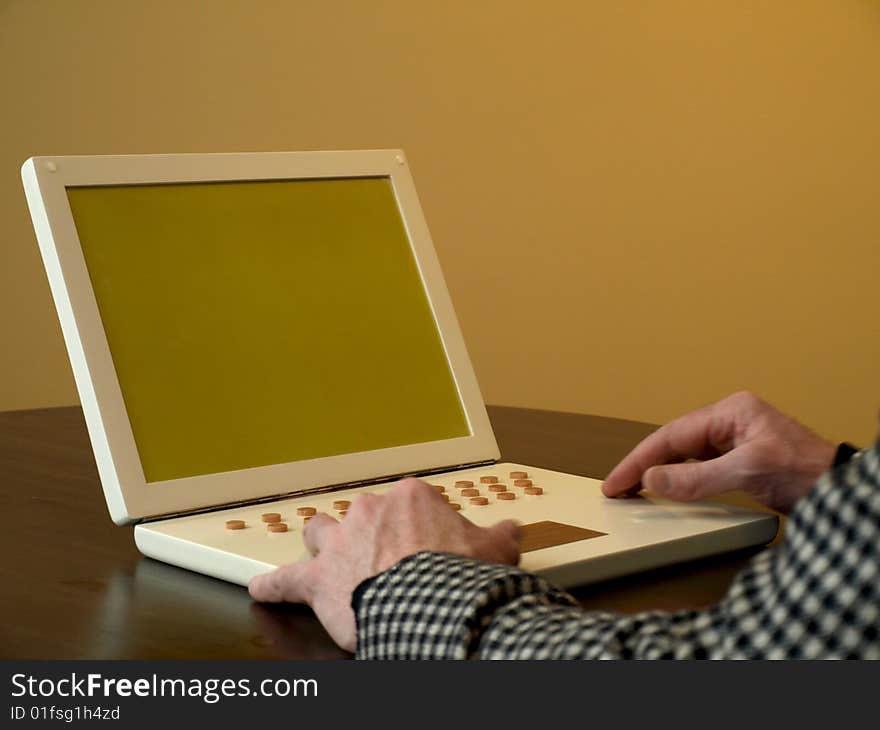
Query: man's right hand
x,y
741,442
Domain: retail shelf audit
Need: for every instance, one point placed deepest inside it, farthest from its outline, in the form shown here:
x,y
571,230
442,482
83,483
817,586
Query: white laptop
x,y
257,337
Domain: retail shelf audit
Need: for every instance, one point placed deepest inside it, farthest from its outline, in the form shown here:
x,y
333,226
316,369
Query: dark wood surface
x,y
73,585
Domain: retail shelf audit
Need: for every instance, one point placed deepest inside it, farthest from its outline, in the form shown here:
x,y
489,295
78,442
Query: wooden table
x,y
73,585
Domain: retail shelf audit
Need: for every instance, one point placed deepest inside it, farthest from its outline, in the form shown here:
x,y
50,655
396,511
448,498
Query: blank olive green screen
x,y
263,323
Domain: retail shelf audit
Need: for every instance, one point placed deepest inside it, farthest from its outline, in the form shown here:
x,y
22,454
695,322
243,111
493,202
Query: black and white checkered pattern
x,y
815,595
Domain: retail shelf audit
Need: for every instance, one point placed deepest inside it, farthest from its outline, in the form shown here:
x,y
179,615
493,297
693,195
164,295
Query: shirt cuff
x,y
438,605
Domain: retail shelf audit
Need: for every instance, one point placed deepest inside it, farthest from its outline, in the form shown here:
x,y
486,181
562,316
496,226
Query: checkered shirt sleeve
x,y
816,595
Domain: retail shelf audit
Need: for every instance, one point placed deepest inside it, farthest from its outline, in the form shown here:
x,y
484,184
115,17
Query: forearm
x,y
815,595
441,606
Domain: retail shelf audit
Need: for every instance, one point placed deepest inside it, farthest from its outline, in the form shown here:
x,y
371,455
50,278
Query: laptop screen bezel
x,y
129,496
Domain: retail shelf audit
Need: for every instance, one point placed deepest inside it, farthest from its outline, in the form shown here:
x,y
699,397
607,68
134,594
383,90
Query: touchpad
x,y
539,535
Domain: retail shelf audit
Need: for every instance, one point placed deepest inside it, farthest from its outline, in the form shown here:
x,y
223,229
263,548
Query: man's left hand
x,y
376,533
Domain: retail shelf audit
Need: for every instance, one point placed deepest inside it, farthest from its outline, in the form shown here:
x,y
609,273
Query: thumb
x,y
509,529
694,479
506,536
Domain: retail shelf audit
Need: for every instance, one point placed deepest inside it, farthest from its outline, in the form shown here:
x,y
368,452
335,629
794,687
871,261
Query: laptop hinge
x,y
316,490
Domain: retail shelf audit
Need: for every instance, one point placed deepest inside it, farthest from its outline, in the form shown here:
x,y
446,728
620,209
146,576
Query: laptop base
x,y
572,533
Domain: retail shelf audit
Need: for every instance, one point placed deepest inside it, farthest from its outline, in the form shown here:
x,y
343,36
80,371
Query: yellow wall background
x,y
639,206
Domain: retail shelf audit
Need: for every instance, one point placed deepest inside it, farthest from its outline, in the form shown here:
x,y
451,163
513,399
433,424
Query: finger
x,y
507,530
505,537
415,489
317,530
694,435
696,479
287,583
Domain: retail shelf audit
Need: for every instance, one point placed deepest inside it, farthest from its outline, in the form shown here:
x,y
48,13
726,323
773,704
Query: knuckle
x,y
683,484
364,504
411,487
685,491
746,400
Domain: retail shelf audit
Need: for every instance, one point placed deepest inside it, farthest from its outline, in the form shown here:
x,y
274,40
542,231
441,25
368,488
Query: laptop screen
x,y
259,323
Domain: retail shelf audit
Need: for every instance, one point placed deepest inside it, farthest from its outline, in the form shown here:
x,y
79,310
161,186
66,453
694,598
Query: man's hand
x,y
741,442
377,533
